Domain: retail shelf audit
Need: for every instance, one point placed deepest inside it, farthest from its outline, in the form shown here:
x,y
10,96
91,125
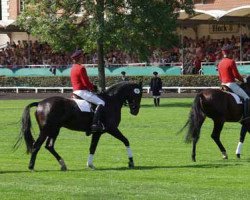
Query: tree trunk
x,y
100,47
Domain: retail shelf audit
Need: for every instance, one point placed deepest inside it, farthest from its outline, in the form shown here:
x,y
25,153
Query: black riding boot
x,y
158,101
155,102
97,126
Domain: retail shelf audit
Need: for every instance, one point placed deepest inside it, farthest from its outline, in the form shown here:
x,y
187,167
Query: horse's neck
x,y
115,99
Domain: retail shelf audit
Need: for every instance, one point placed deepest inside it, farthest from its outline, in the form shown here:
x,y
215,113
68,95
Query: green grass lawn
x,y
164,169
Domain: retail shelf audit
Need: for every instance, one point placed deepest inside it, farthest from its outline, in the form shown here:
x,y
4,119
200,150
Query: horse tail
x,y
195,120
25,129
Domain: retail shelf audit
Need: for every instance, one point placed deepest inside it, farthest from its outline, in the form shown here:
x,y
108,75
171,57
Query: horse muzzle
x,y
134,110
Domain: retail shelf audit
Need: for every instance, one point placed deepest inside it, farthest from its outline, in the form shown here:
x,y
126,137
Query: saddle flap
x,y
83,105
237,99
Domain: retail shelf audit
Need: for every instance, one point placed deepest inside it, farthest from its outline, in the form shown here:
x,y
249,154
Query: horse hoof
x,y
31,168
64,168
131,165
90,166
225,157
238,155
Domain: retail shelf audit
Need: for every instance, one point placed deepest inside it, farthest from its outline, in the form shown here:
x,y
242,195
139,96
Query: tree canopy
x,y
133,26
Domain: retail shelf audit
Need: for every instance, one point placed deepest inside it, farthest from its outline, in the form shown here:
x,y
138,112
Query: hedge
x,y
60,81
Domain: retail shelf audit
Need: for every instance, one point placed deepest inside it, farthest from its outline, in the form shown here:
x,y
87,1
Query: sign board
x,y
223,28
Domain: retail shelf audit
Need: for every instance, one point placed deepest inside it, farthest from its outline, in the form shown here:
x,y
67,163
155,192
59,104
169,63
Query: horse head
x,y
127,92
134,96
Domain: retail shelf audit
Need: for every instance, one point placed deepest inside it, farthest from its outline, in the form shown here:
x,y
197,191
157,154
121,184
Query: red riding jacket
x,y
79,78
228,71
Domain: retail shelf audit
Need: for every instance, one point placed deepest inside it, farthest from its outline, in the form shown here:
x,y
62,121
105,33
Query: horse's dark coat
x,y
220,107
56,112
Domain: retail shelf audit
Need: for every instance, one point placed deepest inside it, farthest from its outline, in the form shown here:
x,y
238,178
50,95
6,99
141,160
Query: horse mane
x,y
114,89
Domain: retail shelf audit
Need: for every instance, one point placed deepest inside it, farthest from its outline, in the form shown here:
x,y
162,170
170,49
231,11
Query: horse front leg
x,y
94,141
243,133
218,125
118,135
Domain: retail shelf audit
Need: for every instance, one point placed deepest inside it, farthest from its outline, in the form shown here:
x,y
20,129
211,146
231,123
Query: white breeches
x,y
237,90
89,96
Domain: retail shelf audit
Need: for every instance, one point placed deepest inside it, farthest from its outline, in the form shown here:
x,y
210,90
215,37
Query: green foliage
x,y
131,26
60,81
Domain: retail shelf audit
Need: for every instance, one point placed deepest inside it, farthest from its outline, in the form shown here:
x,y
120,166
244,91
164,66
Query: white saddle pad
x,y
83,105
236,98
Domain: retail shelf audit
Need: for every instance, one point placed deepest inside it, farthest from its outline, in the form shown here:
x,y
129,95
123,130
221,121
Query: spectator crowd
x,y
194,51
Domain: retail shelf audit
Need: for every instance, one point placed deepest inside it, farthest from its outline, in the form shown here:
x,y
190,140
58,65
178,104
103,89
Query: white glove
x,y
245,80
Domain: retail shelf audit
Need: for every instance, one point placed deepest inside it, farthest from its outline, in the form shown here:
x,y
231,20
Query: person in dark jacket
x,y
123,77
155,88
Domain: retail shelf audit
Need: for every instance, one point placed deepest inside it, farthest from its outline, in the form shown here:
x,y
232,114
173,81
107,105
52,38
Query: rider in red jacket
x,y
84,88
228,74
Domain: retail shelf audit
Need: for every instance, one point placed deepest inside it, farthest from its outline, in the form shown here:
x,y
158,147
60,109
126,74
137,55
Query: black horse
x,y
221,107
56,112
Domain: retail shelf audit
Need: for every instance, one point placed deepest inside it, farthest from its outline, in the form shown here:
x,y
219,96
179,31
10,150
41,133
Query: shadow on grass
x,y
195,166
169,105
37,171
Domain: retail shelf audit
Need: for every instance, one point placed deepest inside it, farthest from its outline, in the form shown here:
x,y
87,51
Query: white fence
x,y
69,89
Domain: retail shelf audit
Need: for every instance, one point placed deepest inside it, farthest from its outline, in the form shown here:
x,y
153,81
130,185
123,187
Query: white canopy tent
x,y
242,12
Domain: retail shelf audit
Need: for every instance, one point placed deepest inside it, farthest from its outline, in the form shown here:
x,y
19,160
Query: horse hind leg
x,y
50,147
218,125
36,147
195,140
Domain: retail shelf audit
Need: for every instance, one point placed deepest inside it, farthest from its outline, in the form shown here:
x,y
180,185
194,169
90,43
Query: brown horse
x,y
221,107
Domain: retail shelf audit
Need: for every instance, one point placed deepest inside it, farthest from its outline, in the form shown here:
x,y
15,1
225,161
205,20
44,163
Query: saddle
x,y
75,96
237,98
83,105
224,88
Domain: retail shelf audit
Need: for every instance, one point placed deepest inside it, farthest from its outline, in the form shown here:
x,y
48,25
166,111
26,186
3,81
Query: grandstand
x,y
214,23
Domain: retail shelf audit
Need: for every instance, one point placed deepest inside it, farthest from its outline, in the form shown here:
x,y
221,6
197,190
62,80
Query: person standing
x,y
83,88
155,88
123,77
